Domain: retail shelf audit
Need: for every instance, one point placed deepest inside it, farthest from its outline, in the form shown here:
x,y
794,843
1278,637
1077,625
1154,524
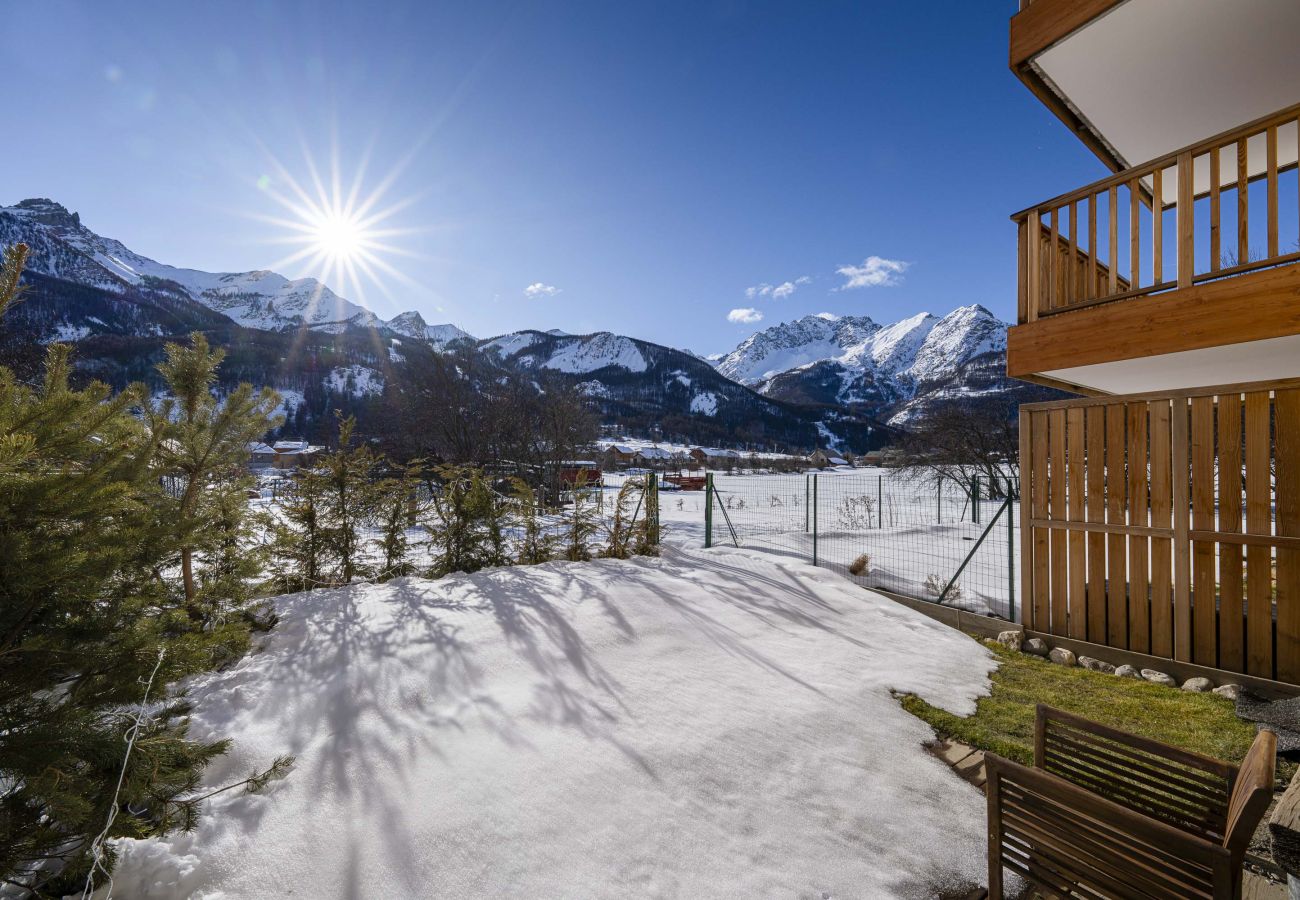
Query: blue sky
x,y
641,165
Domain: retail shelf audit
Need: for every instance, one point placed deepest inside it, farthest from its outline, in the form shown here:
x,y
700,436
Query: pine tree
x,y
203,448
318,528
396,512
87,618
11,272
619,542
299,546
536,544
350,501
497,511
461,508
581,522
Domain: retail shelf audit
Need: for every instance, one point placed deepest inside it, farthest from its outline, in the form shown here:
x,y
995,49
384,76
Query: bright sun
x,y
339,236
340,233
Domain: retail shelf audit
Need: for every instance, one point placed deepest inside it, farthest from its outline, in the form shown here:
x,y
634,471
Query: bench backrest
x,y
1184,789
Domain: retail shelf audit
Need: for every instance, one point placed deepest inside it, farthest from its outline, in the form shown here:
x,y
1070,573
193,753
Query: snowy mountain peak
x,y
411,324
569,353
46,212
62,247
851,359
789,345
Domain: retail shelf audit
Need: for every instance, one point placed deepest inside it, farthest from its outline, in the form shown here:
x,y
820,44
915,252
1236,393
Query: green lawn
x,y
1004,721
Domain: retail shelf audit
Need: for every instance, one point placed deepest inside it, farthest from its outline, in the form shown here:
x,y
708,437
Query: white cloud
x,y
537,289
776,291
745,316
875,271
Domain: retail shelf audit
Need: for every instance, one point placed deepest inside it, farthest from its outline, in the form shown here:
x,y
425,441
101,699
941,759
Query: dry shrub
x,y
860,565
935,585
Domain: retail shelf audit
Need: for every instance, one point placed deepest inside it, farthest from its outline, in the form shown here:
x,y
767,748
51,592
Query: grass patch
x,y
1004,721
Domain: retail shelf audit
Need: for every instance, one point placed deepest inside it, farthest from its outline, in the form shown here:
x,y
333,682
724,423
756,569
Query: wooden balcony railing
x,y
1223,207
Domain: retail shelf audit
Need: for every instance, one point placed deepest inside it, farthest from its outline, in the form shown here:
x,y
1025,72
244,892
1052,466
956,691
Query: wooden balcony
x,y
1190,251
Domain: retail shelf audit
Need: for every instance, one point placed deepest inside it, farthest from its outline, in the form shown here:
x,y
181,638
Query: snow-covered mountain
x,y
854,361
821,380
62,247
677,393
411,324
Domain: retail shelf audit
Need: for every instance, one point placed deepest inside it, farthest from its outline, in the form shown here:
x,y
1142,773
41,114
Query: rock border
x,y
1015,640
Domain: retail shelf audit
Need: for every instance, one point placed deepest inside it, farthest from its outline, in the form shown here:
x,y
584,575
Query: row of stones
x,y
1064,657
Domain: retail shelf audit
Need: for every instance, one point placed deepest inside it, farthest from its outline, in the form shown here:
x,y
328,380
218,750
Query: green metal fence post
x,y
652,507
880,501
708,510
938,501
975,502
814,518
1011,556
807,505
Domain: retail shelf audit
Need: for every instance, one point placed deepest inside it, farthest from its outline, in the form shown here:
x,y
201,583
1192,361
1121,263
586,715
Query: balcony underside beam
x,y
1253,307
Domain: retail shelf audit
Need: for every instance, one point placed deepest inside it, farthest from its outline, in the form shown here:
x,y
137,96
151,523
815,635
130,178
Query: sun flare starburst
x,y
342,236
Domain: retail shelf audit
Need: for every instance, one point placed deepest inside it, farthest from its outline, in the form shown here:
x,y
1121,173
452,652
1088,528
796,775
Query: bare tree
x,y
965,440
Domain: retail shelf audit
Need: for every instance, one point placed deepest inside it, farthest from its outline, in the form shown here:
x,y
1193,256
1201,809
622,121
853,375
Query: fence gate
x,y
1168,525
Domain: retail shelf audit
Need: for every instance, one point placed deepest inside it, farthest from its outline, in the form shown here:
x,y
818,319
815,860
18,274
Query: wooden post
x,y
1216,253
1022,273
1033,275
1182,545
1186,222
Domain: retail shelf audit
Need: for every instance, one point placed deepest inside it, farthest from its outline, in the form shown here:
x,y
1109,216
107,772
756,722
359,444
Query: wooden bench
x,y
1103,813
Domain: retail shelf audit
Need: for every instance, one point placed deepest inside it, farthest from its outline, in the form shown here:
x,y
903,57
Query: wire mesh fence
x,y
933,539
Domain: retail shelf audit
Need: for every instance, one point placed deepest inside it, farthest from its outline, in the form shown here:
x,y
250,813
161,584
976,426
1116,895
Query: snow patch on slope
x,y
359,381
510,344
705,403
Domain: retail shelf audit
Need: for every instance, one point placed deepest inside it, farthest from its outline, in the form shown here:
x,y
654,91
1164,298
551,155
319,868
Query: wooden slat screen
x,y
1168,526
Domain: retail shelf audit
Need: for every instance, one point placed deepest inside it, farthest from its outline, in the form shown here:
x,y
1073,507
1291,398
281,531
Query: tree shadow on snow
x,y
384,672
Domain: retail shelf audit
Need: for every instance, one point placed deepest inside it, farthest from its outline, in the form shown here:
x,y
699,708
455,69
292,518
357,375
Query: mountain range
x,y
894,370
842,382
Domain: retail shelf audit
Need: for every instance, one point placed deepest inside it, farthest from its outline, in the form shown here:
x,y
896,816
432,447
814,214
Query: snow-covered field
x,y
707,724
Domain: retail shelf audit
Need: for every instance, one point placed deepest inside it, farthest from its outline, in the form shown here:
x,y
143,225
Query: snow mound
x,y
707,724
